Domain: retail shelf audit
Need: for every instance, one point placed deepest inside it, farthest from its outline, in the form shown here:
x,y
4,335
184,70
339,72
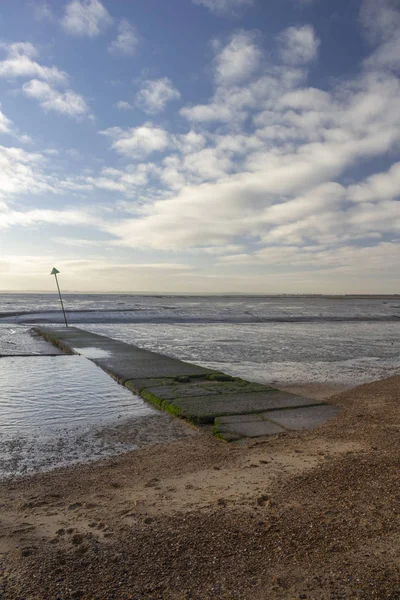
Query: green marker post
x,y
54,272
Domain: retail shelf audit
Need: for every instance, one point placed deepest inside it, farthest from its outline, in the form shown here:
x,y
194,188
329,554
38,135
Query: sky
x,y
200,146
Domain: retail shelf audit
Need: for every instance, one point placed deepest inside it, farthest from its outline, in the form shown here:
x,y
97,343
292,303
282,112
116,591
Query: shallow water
x,y
17,340
283,354
52,408
61,391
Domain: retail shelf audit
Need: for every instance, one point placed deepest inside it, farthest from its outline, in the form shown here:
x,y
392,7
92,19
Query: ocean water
x,y
284,341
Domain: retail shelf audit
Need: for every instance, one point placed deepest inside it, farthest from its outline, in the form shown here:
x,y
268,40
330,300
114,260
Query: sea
x,y
50,416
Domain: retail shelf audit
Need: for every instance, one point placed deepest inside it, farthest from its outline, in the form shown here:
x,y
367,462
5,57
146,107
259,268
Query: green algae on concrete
x,y
237,408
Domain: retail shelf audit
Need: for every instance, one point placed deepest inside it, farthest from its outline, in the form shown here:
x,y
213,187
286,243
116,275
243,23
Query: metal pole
x,y
62,305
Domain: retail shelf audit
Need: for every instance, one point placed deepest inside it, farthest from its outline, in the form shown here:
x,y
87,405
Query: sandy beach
x,y
301,515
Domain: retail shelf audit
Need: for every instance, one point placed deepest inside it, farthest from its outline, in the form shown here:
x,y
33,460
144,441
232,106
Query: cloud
x,y
381,186
224,6
43,12
156,94
260,177
22,172
66,103
381,21
242,61
299,45
137,142
37,216
127,40
32,272
284,192
126,181
19,63
233,103
123,105
6,125
347,259
238,60
85,18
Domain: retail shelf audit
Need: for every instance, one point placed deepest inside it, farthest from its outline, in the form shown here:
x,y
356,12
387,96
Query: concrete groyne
x,y
235,407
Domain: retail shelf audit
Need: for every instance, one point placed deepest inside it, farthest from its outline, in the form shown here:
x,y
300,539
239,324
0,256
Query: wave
x,y
76,317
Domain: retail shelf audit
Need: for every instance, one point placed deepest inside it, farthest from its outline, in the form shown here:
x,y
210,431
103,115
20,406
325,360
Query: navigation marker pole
x,y
54,272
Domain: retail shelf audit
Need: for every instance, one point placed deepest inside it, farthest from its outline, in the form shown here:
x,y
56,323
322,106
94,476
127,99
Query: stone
x,y
238,419
302,418
251,429
204,409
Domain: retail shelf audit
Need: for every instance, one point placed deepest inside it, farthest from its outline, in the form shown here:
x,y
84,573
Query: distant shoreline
x,y
209,295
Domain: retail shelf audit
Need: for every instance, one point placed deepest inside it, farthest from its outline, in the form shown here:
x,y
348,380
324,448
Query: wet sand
x,y
302,515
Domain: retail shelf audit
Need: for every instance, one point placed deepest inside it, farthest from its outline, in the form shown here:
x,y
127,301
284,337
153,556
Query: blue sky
x,y
200,145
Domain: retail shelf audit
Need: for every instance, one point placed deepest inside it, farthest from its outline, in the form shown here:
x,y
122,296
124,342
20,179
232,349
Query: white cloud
x,y
85,18
43,12
34,217
192,141
381,21
271,174
283,193
203,113
32,272
258,179
232,103
6,125
238,60
224,6
207,164
67,103
235,64
125,181
155,95
77,242
386,56
299,45
362,261
123,105
127,40
380,18
381,186
19,63
138,141
22,172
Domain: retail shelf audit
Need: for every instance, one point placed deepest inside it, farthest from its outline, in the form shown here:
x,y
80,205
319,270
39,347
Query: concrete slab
x,y
302,418
204,409
182,387
125,361
238,419
250,429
